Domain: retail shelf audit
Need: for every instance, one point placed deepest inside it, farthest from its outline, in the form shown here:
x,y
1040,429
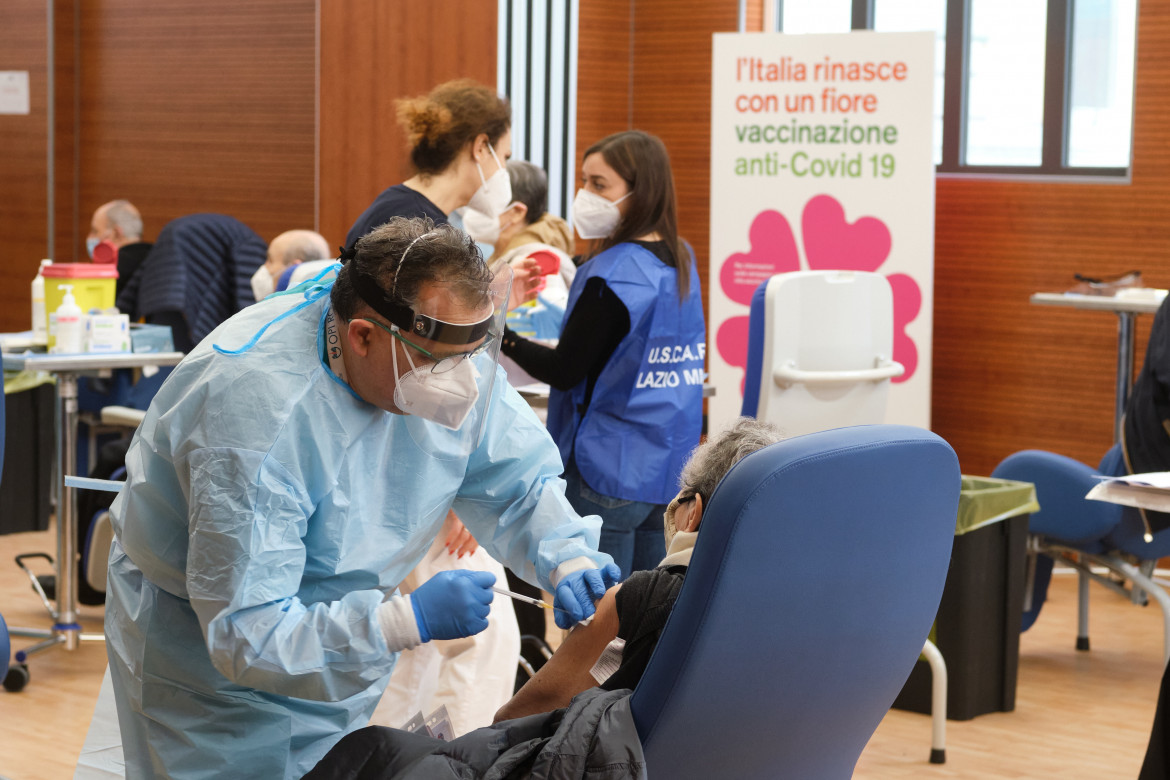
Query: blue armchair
x,y
5,647
1085,534
820,569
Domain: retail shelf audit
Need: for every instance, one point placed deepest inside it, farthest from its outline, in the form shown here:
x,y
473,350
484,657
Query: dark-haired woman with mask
x,y
627,372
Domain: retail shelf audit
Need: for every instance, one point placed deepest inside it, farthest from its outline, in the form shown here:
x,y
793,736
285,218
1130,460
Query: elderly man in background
x,y
118,226
289,249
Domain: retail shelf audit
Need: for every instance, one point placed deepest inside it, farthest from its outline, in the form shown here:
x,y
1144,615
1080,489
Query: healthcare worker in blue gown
x,y
291,471
627,372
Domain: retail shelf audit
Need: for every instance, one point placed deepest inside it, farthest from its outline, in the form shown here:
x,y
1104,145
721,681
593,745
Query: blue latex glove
x,y
578,591
453,604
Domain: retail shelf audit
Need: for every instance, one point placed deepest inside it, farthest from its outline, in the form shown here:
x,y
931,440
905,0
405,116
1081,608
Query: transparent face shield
x,y
445,360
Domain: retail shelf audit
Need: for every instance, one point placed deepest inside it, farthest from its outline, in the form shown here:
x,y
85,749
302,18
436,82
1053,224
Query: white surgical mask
x,y
90,245
262,283
481,227
494,195
679,544
445,398
595,216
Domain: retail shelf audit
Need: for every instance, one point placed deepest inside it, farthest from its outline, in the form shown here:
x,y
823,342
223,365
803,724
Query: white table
x,y
1126,309
67,368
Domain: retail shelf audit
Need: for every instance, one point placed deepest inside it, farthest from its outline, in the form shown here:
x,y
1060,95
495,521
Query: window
x,y
1021,86
1004,122
821,16
906,15
537,70
1100,117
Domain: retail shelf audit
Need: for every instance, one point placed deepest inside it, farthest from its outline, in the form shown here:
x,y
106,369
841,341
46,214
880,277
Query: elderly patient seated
x,y
575,711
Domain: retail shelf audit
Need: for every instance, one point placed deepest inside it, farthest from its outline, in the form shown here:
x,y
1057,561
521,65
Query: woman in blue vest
x,y
627,371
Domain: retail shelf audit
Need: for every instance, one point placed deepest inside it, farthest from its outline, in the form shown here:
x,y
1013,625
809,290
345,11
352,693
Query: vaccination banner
x,y
822,159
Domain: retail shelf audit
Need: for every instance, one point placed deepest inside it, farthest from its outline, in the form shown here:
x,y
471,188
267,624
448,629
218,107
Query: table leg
x,y
1125,336
67,515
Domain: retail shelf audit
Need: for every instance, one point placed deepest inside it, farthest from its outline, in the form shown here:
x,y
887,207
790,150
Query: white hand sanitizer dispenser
x,y
40,320
70,329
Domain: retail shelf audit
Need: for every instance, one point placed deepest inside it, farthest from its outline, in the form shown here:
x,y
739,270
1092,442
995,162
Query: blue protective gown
x,y
268,512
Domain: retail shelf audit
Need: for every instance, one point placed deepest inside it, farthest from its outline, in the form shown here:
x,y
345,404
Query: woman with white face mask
x,y
627,373
460,138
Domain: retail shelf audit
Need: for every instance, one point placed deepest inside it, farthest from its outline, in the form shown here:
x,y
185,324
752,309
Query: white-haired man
x,y
118,225
289,249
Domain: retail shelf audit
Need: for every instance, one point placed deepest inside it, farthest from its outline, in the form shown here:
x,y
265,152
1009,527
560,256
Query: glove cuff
x,y
400,624
568,567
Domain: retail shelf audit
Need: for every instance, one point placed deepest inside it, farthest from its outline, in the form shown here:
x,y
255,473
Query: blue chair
x,y
5,646
820,568
819,347
1085,534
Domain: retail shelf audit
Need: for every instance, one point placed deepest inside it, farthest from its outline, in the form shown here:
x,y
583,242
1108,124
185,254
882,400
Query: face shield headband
x,y
411,321
447,398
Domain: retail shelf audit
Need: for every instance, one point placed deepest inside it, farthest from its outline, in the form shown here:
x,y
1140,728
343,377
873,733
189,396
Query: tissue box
x,y
107,333
151,338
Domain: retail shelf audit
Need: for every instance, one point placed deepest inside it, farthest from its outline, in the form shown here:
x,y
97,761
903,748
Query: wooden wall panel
x,y
198,105
23,163
672,99
70,227
604,71
372,53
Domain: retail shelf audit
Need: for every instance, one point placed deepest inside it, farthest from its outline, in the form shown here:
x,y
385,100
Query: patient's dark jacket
x,y
594,737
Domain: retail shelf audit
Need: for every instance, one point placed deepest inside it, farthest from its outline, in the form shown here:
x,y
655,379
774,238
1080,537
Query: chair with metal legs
x,y
818,570
1086,534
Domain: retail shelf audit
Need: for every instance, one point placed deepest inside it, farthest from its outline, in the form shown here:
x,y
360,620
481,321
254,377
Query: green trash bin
x,y
977,629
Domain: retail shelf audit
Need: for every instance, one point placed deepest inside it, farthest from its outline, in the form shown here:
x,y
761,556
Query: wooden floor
x,y
1078,715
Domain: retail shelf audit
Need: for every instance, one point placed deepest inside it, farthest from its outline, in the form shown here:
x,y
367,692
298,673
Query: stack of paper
x,y
1148,491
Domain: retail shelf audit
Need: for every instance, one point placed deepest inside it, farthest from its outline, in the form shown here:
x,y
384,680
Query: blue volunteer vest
x,y
646,412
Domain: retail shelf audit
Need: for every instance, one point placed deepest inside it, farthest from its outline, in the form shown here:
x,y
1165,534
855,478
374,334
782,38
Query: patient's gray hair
x,y
530,187
123,215
714,458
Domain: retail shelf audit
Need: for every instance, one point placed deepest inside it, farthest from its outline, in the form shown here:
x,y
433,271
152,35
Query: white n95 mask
x,y
262,283
481,227
594,216
494,195
445,397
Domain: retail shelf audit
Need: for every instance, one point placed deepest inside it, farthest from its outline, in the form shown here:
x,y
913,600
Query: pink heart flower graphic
x,y
907,304
831,243
773,251
732,341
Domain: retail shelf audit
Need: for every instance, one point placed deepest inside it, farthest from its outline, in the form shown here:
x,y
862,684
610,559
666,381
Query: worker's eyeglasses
x,y
691,497
439,365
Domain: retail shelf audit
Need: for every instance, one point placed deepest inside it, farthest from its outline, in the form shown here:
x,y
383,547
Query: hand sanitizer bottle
x,y
70,330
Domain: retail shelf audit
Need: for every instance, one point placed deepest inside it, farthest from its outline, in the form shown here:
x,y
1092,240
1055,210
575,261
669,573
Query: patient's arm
x,y
567,673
